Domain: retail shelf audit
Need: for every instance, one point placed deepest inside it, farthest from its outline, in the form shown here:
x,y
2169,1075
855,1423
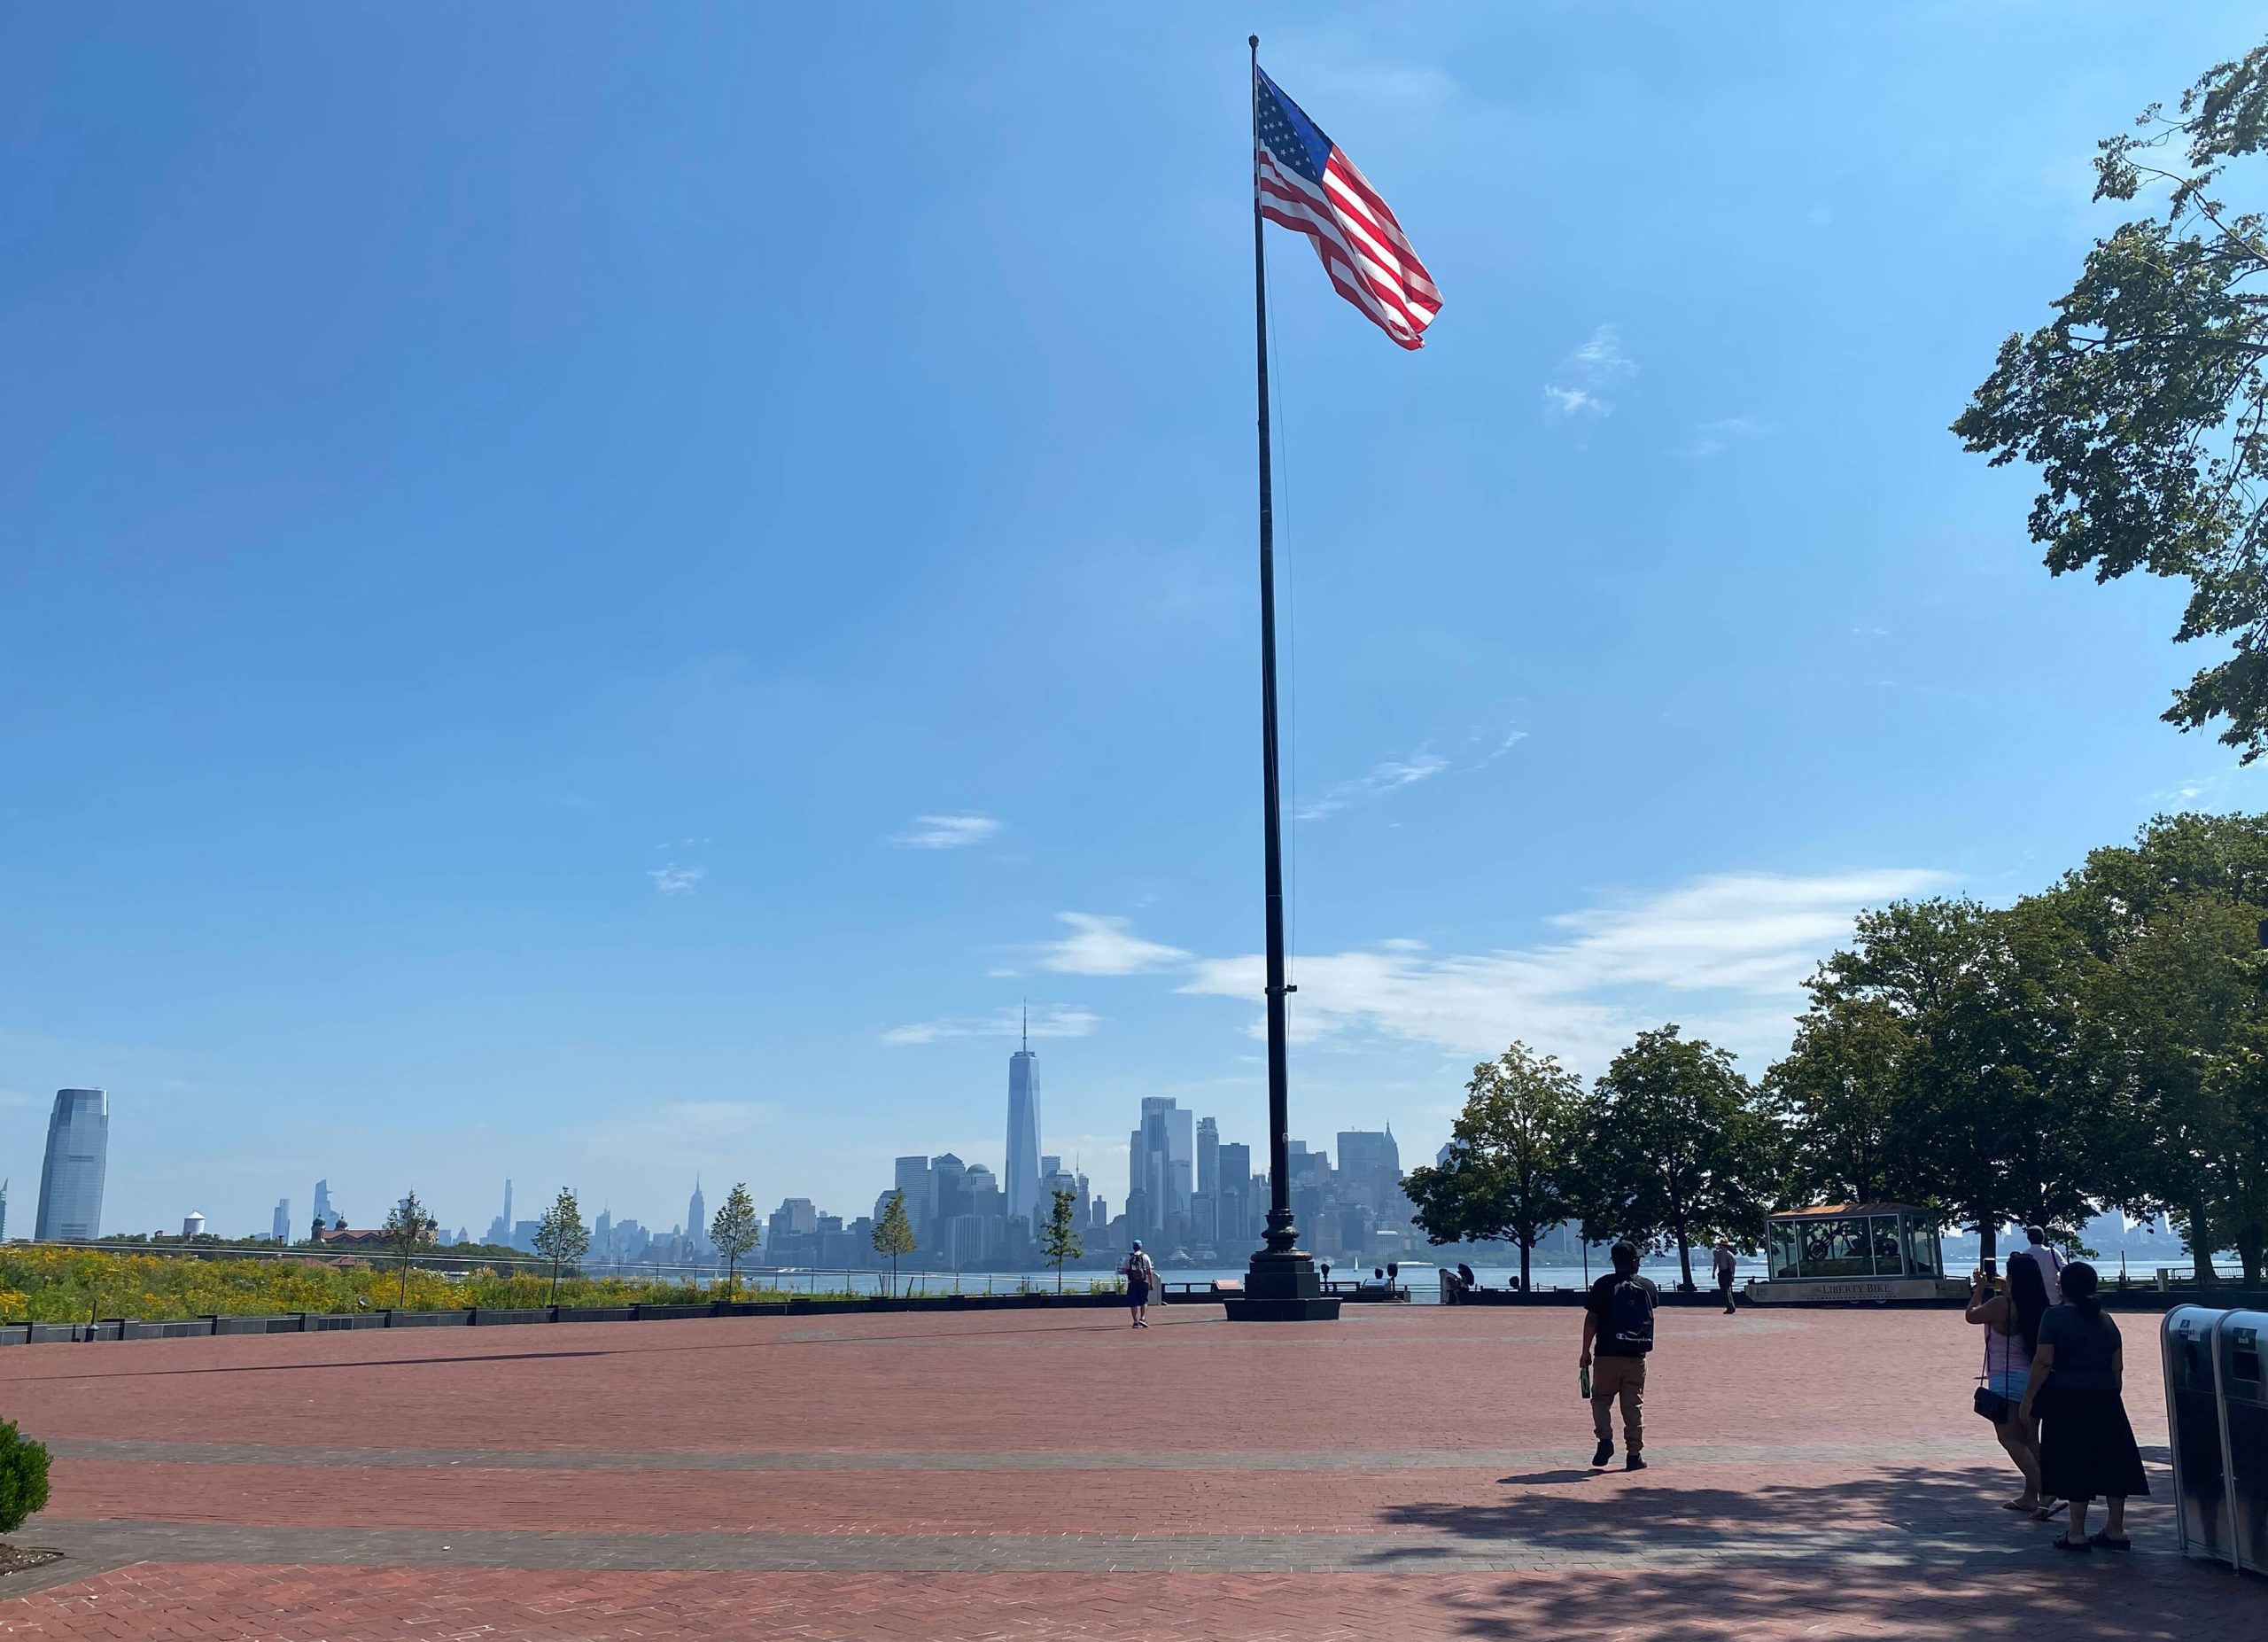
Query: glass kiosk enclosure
x,y
1853,1251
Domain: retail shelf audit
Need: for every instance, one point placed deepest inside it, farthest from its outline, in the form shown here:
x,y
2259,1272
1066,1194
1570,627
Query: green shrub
x,y
23,1477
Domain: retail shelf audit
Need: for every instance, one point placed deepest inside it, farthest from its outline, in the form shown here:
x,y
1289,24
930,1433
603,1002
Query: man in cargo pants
x,y
1618,1333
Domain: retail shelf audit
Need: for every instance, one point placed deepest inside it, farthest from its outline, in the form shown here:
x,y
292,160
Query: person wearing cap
x,y
1141,1276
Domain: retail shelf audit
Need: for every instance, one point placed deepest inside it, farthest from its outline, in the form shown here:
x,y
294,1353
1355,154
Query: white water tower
x,y
193,1226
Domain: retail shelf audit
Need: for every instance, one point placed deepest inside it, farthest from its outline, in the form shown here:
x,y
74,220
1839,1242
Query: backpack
x,y
1630,1318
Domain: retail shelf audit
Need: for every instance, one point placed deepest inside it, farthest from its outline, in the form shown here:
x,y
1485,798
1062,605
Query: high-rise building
x,y
1022,1171
3,1211
71,1180
918,1186
696,1219
509,1223
950,1195
1370,1166
1208,1156
1162,1165
282,1227
323,1201
602,1234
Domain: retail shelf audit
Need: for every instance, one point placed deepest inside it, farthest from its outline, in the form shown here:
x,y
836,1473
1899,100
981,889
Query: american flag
x,y
1308,185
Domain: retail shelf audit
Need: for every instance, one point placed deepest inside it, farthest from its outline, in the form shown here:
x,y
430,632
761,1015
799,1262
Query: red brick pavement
x,y
1749,1525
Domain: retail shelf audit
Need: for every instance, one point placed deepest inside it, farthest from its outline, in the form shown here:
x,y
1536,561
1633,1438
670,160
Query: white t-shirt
x,y
2051,1269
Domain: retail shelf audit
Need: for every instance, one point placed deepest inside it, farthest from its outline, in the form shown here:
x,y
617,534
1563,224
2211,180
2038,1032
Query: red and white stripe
x,y
1362,245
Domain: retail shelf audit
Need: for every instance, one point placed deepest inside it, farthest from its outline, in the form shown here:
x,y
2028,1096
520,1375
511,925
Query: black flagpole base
x,y
1281,1287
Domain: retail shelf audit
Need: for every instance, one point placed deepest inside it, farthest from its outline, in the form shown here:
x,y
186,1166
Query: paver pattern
x,y
1407,1473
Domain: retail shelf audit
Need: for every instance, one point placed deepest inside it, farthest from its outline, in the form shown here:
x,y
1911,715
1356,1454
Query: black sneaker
x,y
1604,1453
1634,1464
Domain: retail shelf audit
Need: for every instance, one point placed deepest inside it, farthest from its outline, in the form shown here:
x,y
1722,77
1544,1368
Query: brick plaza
x,y
1409,1472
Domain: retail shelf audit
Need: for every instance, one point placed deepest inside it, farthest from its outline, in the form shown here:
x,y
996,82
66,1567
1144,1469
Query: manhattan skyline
x,y
486,727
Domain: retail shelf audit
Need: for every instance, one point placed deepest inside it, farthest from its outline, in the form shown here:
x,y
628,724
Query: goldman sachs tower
x,y
1021,1181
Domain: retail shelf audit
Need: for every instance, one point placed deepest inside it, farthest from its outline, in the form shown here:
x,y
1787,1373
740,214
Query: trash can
x,y
2202,1510
2244,1434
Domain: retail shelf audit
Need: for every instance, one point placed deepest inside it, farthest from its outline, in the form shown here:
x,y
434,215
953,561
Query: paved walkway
x,y
1407,1473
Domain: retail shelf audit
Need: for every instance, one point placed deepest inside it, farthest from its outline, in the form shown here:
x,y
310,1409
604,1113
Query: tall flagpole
x,y
1281,1285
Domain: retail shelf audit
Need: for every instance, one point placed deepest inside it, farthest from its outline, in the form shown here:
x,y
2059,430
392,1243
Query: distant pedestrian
x,y
1141,1276
2007,1370
1619,1321
2087,1445
2051,1264
1725,1269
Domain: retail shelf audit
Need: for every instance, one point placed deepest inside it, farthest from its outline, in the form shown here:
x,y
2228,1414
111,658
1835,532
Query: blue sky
x,y
598,594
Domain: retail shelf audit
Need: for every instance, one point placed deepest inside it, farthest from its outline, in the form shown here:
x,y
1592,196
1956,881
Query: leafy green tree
x,y
1834,1097
561,1237
2144,403
1988,1116
23,1477
893,1235
1059,1233
1510,1153
1677,1150
732,1228
407,1229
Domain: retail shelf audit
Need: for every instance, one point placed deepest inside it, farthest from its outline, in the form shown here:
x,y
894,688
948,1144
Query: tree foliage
x,y
2143,402
733,1230
1510,1154
408,1228
561,1237
1059,1233
23,1477
1677,1150
893,1235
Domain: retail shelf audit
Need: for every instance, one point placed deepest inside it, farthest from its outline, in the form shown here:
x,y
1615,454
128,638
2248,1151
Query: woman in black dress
x,y
2087,1447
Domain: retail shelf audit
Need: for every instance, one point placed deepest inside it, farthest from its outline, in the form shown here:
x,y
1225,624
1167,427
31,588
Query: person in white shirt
x,y
2050,1263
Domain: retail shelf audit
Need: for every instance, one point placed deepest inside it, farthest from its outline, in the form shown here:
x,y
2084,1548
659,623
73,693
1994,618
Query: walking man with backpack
x,y
1618,1333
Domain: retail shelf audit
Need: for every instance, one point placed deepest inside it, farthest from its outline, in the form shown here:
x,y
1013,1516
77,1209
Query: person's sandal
x,y
2109,1543
2048,1510
2025,1506
2063,1542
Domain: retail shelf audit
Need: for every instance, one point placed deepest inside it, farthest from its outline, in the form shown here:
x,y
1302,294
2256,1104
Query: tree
x,y
23,1477
1834,1097
561,1237
407,1229
1676,1150
1988,1115
1509,1156
2144,403
1058,1235
893,1235
732,1228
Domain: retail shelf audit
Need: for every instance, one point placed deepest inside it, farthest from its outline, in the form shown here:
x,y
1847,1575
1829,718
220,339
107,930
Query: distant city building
x,y
3,1211
71,1179
1162,1165
1369,1167
603,1235
919,1189
1022,1170
280,1228
1208,1156
697,1220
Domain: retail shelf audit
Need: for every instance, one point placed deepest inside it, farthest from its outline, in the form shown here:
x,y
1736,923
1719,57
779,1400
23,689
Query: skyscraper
x,y
1021,1181
1161,1165
71,1180
918,1186
696,1219
322,1201
282,1227
1208,1156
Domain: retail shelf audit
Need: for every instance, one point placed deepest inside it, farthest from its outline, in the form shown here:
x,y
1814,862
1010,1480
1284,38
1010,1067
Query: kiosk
x,y
1852,1252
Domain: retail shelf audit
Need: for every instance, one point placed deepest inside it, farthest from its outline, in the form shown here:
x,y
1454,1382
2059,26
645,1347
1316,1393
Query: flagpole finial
x,y
1253,41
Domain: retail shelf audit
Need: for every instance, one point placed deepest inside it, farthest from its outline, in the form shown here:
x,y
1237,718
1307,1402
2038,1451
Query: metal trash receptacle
x,y
2202,1510
2242,1337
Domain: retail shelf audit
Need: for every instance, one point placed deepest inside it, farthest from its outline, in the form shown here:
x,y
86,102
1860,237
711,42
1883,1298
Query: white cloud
x,y
1580,381
1099,945
1380,779
1053,1020
675,880
946,832
1726,956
